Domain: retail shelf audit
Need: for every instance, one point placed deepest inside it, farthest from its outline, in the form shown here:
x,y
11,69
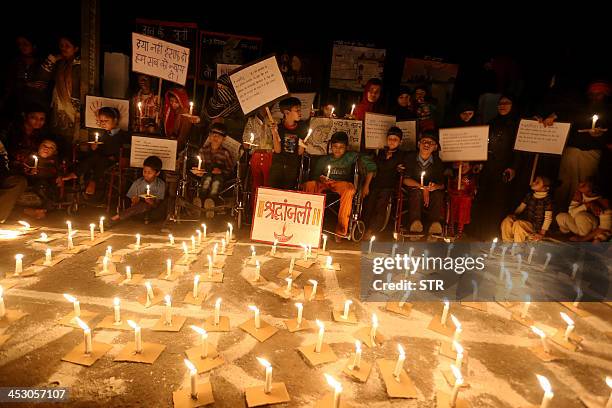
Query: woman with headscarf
x,y
370,100
465,115
493,201
176,119
404,108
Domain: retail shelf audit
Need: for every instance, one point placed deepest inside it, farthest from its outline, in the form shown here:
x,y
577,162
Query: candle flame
x,y
374,320
456,322
24,224
333,382
458,347
348,302
253,308
264,362
595,118
609,381
70,298
218,302
495,240
299,305
168,300
133,324
199,330
457,374
357,346
538,331
309,133
544,383
148,284
18,257
82,324
314,282
116,301
320,324
196,279
446,304
567,319
190,365
373,238
400,350
92,225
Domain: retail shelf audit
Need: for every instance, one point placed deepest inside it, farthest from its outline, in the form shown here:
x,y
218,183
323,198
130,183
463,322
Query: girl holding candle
x,y
145,107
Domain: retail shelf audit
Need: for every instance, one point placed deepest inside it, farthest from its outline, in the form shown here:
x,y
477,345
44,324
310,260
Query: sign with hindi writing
x,y
143,147
464,143
306,100
408,128
324,128
533,137
290,217
352,128
159,58
93,104
376,127
258,84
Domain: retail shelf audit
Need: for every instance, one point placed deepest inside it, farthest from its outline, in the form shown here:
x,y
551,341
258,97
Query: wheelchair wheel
x,y
357,231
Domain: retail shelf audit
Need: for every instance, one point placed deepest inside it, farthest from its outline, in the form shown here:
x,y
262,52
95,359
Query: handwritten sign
x,y
258,84
93,105
324,128
376,128
408,128
159,58
464,143
291,218
533,137
143,147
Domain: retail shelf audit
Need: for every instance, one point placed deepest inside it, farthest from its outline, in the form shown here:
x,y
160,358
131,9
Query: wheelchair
x,y
356,226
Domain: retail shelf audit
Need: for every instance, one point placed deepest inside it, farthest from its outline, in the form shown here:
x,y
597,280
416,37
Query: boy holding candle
x,y
42,170
334,172
150,204
424,176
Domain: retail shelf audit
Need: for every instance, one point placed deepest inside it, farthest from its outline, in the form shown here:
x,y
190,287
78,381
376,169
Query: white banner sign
x,y
533,137
307,100
376,127
408,128
258,84
143,147
324,128
291,218
464,143
159,58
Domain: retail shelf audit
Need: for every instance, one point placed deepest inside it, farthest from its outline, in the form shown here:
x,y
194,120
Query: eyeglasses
x,y
428,143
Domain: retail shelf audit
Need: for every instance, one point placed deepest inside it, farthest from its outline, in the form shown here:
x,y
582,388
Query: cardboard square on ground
x,y
437,327
328,402
543,355
11,316
363,335
77,249
137,279
443,401
54,260
190,300
223,326
285,274
304,264
85,316
77,355
260,282
450,378
482,306
195,251
217,277
572,345
580,312
263,333
404,388
182,398
174,276
23,274
218,264
527,321
186,260
361,374
292,325
319,295
337,315
110,270
3,339
313,358
177,324
50,238
395,308
158,297
150,353
281,291
109,323
204,365
98,239
139,248
229,251
253,261
255,396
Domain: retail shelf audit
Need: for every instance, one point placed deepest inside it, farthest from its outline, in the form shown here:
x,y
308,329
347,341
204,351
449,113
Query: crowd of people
x,y
44,146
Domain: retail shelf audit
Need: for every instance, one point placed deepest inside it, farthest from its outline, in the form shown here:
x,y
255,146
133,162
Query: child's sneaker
x,y
416,227
435,228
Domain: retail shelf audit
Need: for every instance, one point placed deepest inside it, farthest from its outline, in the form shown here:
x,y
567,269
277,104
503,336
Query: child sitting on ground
x,y
150,204
589,215
334,172
532,218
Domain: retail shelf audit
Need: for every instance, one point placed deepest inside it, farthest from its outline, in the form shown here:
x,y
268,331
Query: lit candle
x,y
75,304
324,242
320,338
268,366
168,317
504,249
328,170
193,243
2,308
199,236
69,225
347,306
458,384
35,161
492,248
217,311
256,311
288,287
548,394
25,225
445,313
357,360
328,262
185,249
542,335
291,265
168,267
204,230
422,177
352,109
314,288
18,264
140,109
609,383
525,309
97,136
231,231
101,225
150,294
373,329
578,297
128,273
570,326
399,364
203,339
459,349
223,244
595,118
199,163
458,328
137,241
372,239
91,231
105,264
86,335
332,111
548,256
308,135
210,266
574,270
137,336
171,238
48,256
305,248
193,376
44,237
214,252
531,252
117,308
196,281
70,243
109,251
337,389
300,308
190,108
253,251
148,190
252,139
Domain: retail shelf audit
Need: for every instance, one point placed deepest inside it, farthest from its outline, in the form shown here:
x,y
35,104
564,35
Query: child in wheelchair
x,y
146,194
334,172
216,166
